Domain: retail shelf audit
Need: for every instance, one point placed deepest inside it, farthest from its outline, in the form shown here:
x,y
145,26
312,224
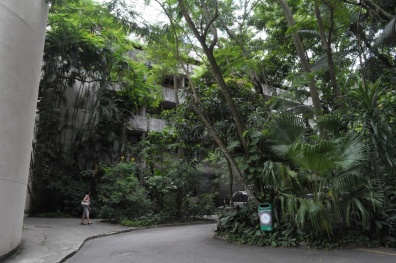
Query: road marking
x,y
378,252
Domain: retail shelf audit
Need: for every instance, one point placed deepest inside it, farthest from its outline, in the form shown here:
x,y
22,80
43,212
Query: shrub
x,y
198,206
121,194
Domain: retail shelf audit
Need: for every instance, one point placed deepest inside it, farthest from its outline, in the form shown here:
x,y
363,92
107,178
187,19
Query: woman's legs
x,y
85,214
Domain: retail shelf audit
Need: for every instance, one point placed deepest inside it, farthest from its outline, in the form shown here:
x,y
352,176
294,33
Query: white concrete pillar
x,y
22,33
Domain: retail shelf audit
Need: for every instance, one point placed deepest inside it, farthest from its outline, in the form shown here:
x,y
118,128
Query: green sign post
x,y
265,215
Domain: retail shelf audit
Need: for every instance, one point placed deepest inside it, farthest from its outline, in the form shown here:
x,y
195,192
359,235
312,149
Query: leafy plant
x,y
242,225
81,118
121,195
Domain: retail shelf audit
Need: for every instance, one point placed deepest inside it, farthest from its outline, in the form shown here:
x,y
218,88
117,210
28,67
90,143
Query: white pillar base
x,y
22,33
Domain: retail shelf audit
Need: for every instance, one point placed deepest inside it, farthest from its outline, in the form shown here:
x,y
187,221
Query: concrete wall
x,y
138,124
22,32
156,124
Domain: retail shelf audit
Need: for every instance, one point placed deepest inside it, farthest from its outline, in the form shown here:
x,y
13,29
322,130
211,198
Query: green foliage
x,y
242,226
172,185
324,177
330,173
317,189
121,195
198,206
82,120
372,115
143,221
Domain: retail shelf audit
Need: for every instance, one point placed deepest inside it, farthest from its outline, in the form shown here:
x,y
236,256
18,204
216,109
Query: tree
x,y
90,88
304,62
326,43
175,44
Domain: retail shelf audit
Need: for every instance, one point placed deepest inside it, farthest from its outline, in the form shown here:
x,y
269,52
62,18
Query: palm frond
x,y
287,128
316,214
344,182
314,157
278,175
357,198
284,131
332,123
363,214
267,174
350,150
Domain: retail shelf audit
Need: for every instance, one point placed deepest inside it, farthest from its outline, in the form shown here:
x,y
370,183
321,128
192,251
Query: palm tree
x,y
325,186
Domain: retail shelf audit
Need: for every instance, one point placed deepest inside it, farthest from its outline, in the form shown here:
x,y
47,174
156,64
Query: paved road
x,y
196,244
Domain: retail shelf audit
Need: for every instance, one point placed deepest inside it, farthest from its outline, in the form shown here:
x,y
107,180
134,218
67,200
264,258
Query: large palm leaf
x,y
332,123
320,157
331,167
316,157
317,215
349,151
284,183
356,198
285,130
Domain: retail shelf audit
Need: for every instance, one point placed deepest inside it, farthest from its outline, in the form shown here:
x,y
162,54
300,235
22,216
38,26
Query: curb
x,y
95,237
127,231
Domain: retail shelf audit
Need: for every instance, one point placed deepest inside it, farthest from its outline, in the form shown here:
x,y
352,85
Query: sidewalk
x,y
52,240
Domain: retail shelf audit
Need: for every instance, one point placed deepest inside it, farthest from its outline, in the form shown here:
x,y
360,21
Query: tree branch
x,y
210,24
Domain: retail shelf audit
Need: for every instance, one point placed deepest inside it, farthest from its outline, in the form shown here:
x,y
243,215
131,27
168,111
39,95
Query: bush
x,y
121,194
198,206
242,225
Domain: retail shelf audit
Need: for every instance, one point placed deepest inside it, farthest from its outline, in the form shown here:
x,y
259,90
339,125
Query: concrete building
x,y
22,34
76,115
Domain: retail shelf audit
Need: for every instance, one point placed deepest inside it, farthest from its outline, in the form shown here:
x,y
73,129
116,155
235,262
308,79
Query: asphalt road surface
x,y
196,244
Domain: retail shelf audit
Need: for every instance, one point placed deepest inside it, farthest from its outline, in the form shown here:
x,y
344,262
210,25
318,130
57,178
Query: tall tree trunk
x,y
223,149
258,78
231,182
222,146
208,51
176,89
326,43
360,49
304,61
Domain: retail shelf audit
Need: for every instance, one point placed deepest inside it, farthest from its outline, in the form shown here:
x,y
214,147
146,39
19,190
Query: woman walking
x,y
85,204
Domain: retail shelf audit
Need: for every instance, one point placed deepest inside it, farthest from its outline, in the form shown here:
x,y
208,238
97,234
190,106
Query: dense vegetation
x,y
81,130
326,166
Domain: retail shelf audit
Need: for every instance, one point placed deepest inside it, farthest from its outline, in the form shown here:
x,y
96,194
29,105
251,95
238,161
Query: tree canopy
x,y
296,98
312,65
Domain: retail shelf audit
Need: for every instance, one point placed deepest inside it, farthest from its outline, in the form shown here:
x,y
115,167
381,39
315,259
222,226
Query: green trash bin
x,y
265,216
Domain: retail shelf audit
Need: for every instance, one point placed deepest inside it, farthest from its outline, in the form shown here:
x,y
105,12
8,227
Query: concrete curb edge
x,y
127,231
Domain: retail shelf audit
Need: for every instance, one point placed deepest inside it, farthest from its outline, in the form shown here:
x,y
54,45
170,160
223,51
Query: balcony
x,y
138,124
169,101
156,125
